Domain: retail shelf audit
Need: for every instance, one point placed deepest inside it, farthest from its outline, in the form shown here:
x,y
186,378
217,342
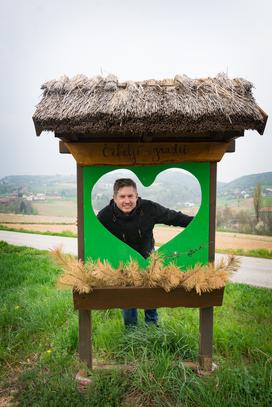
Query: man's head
x,y
125,194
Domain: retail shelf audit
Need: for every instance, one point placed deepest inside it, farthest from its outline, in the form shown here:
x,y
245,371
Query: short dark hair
x,y
123,182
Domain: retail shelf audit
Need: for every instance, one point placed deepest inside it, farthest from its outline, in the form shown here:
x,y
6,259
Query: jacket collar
x,y
119,214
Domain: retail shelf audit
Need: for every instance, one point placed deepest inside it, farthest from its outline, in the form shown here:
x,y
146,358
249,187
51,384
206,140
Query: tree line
x,y
257,220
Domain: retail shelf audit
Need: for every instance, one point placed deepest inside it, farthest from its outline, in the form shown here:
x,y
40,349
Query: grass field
x,y
38,347
267,201
49,230
262,253
236,204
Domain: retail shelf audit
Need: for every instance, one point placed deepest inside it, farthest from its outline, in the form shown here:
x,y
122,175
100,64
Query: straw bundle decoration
x,y
102,106
84,277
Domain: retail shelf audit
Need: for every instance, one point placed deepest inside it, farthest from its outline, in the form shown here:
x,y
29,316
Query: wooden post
x,y
212,211
84,316
85,337
205,338
206,314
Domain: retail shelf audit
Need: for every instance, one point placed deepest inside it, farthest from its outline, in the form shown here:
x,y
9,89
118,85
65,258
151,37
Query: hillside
x,y
243,188
63,185
173,188
247,182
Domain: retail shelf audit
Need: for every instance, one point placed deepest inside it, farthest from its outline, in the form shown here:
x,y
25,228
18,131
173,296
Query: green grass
x,y
263,253
235,203
65,233
38,346
266,201
34,223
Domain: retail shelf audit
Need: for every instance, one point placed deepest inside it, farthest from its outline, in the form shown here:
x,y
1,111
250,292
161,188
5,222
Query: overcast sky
x,y
42,40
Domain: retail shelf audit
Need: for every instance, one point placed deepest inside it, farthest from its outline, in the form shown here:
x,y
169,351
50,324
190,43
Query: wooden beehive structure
x,y
147,126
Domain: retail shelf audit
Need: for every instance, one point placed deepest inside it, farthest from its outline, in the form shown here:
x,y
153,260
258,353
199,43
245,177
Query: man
x,y
132,219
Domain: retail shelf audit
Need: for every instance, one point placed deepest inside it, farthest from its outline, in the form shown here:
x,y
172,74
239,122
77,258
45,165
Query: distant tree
x,y
227,215
18,205
219,217
257,201
267,220
242,217
22,207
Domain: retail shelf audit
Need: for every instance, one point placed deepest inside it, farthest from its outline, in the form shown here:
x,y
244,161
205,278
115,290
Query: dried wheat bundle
x,y
211,276
134,275
159,275
84,277
74,275
174,276
155,270
106,274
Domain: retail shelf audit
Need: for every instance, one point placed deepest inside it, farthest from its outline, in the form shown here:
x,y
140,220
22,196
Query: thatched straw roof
x,y
90,107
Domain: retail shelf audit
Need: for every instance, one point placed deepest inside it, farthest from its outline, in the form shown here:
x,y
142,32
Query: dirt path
x,y
226,240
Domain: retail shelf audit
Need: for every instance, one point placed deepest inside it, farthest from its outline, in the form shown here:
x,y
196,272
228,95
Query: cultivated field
x,y
37,219
223,240
54,207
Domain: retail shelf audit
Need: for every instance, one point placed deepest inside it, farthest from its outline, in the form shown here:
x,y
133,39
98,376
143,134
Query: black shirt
x,y
136,228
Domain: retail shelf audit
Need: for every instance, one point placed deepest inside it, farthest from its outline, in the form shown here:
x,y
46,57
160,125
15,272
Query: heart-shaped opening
x,y
175,189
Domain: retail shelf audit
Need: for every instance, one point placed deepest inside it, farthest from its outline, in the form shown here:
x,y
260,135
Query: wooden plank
x,y
84,316
164,137
85,337
146,298
205,338
212,215
231,147
62,148
131,154
80,220
206,314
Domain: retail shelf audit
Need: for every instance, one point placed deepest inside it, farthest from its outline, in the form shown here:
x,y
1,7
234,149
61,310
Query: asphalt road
x,y
253,271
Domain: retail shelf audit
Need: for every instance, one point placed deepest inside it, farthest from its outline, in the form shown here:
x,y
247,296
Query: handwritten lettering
x,y
135,153
189,253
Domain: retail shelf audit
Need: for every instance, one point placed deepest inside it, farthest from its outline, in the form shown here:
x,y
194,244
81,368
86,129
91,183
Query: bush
x,y
266,218
18,205
243,221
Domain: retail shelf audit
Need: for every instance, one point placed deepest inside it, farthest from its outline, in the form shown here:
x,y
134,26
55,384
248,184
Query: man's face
x,y
126,199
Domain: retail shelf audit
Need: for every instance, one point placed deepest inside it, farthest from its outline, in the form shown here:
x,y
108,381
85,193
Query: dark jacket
x,y
136,228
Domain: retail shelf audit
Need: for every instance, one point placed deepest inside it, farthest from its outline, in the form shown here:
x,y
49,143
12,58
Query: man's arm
x,y
169,216
103,218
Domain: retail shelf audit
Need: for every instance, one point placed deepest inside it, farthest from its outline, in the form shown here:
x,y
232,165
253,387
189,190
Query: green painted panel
x,y
188,248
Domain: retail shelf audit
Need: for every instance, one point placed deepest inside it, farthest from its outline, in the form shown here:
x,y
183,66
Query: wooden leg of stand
x,y
205,338
85,337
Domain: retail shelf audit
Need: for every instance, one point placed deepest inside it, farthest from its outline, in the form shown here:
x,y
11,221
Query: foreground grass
x,y
263,253
65,233
38,346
